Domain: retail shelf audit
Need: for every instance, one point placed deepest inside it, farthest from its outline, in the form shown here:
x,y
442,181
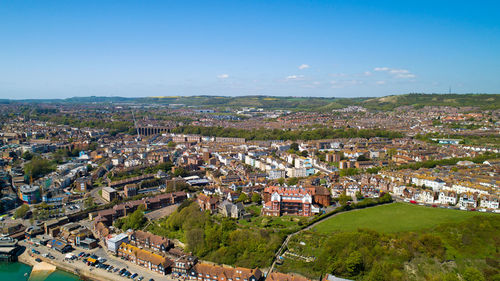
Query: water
x,y
20,271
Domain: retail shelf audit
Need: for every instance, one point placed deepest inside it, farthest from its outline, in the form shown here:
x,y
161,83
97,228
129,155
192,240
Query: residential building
x,y
287,201
467,200
109,193
183,265
145,258
207,202
209,272
150,241
231,210
489,202
447,197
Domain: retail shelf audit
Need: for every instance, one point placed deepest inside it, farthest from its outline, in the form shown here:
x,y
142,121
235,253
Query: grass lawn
x,y
284,222
394,217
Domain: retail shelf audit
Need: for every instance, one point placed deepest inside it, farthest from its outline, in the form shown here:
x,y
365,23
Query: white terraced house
x,y
447,197
489,202
467,200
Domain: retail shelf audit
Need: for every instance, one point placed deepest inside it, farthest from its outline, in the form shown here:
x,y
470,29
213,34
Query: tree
x,y
362,157
281,181
136,220
294,146
451,277
243,198
343,199
22,211
27,156
354,263
38,167
292,181
348,172
304,153
180,171
195,240
359,195
89,202
472,274
256,198
171,144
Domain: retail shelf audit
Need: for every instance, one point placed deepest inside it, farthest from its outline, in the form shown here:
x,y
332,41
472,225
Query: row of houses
x,y
211,272
447,197
163,200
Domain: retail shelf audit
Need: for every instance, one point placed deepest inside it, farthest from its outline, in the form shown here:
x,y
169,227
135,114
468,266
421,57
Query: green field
x,y
394,217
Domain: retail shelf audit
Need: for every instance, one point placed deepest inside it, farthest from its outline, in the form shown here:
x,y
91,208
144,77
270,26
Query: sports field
x,y
395,217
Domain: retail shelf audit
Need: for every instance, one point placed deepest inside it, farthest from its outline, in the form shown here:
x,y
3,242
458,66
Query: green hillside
x,y
394,217
399,242
484,101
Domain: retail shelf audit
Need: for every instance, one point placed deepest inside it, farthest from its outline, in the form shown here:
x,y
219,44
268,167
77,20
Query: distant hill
x,y
484,101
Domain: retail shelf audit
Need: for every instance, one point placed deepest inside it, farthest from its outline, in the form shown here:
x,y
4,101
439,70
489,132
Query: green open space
x,y
394,217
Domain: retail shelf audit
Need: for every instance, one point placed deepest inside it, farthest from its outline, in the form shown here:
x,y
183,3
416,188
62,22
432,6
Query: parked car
x,y
134,275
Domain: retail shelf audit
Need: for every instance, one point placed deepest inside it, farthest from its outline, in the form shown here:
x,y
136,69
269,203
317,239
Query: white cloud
x,y
223,76
304,66
398,73
368,73
380,82
294,77
405,75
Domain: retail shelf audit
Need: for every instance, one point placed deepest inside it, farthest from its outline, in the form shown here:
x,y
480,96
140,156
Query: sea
x,y
21,272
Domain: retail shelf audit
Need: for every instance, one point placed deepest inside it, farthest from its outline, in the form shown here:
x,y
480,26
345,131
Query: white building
x,y
467,200
447,197
489,202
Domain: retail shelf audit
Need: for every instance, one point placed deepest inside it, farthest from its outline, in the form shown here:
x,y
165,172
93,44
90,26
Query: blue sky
x,y
58,49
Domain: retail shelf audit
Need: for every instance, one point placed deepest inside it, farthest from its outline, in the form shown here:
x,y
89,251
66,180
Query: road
x,y
97,198
79,266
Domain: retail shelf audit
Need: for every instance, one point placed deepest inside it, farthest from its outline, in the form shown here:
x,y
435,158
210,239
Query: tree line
x,y
277,134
